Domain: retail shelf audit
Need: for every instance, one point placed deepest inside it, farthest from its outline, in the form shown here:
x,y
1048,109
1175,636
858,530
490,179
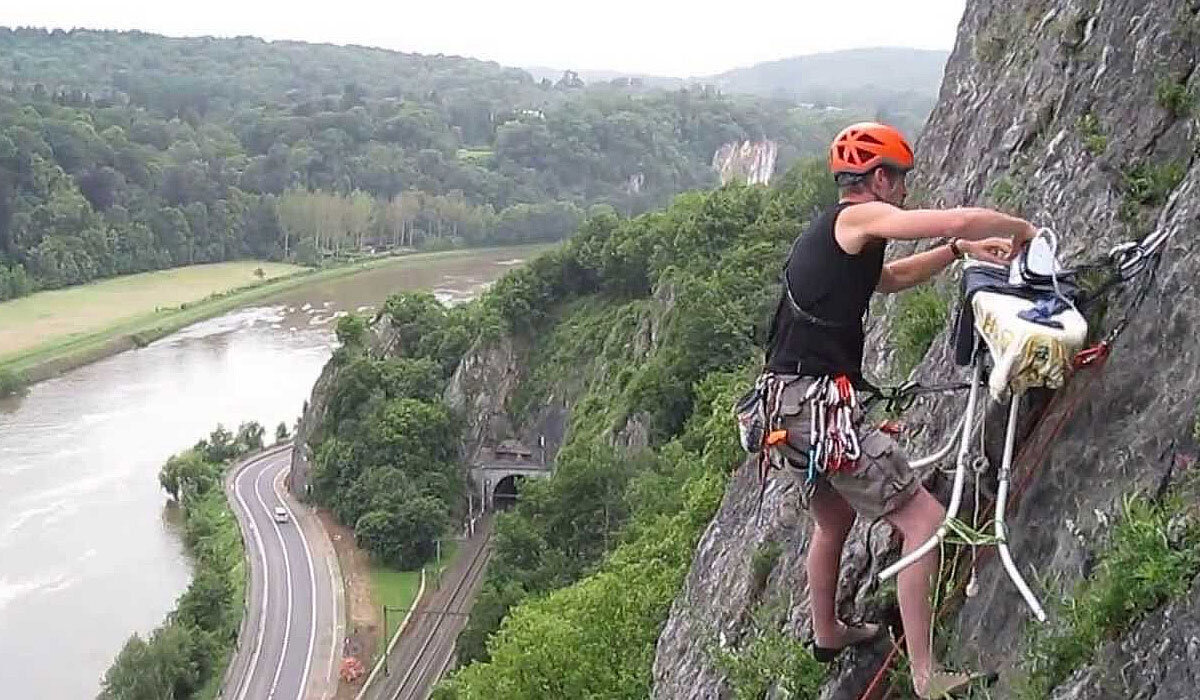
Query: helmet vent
x,y
867,138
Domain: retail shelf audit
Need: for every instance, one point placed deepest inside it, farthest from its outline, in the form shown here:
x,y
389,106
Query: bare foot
x,y
944,684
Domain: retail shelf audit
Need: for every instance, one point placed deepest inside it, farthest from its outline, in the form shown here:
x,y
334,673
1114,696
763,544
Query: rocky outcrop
x,y
1158,660
752,162
1078,115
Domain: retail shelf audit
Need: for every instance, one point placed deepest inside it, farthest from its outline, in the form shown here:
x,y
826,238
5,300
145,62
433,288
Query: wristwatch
x,y
958,253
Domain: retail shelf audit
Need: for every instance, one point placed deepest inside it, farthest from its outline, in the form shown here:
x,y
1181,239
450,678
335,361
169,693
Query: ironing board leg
x,y
998,517
960,470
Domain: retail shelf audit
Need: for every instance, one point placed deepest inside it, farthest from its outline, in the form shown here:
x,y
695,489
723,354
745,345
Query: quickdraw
x,y
770,393
832,440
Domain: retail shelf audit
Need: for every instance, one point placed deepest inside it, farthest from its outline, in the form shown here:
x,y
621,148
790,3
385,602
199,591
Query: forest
x,y
123,152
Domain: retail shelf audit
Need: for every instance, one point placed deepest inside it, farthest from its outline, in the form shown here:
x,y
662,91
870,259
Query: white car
x,y
281,515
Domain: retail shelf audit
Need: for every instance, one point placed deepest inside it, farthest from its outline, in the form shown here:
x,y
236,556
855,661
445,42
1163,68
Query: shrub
x,y
920,314
1153,556
1174,96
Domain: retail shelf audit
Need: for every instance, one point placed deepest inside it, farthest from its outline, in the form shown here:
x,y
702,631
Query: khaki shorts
x,y
880,481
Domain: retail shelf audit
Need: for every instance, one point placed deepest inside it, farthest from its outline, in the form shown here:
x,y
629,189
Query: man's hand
x,y
993,250
1025,236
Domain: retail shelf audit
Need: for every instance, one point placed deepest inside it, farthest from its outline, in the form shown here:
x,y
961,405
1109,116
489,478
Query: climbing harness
x,y
834,408
833,444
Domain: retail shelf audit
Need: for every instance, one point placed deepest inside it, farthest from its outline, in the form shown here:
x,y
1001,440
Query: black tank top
x,y
832,289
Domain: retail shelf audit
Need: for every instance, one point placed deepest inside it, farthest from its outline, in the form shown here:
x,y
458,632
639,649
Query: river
x,y
89,550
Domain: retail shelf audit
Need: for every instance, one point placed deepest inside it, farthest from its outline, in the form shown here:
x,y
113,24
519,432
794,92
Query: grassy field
x,y
34,346
398,589
395,589
51,316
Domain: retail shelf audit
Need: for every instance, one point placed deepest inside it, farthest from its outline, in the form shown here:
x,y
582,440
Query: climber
x,y
817,332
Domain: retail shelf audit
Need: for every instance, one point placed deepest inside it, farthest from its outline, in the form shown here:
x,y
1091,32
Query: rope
x,y
898,399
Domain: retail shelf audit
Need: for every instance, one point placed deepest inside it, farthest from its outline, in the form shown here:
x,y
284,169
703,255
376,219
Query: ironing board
x,y
1024,355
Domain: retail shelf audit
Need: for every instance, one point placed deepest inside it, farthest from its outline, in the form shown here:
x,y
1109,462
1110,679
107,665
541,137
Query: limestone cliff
x,y
1077,114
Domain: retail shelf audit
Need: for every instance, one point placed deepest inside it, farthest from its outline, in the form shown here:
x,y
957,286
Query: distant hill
x,y
593,77
895,84
840,75
828,78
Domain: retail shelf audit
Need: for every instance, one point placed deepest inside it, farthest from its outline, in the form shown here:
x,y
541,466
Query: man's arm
x,y
913,270
908,272
869,220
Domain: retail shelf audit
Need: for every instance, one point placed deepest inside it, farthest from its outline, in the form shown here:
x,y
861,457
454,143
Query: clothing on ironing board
x,y
991,278
1044,310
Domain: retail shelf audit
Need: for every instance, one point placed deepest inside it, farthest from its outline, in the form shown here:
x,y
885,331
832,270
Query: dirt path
x,y
363,618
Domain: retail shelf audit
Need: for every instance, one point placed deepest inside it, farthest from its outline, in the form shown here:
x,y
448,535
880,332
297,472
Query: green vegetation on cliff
x,y
385,456
657,318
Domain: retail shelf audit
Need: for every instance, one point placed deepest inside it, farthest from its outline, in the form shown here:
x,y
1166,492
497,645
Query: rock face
x,y
480,391
1077,115
750,161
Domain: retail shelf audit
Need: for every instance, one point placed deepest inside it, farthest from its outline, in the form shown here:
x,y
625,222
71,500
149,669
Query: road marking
x,y
287,567
312,579
243,685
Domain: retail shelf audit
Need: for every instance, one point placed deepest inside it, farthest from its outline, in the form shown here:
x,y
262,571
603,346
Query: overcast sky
x,y
661,37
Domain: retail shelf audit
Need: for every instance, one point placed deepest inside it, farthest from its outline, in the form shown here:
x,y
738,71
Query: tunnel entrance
x,y
505,493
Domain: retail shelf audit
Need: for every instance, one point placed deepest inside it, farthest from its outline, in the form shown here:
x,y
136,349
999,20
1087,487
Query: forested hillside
x,y
642,330
124,152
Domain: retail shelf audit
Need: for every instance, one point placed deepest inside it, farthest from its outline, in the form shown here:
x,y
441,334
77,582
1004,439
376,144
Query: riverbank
x,y
141,326
187,655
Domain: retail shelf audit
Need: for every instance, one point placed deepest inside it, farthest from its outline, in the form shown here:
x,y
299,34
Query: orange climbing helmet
x,y
862,147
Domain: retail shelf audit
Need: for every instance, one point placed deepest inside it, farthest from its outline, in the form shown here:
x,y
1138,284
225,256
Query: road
x,y
426,648
288,641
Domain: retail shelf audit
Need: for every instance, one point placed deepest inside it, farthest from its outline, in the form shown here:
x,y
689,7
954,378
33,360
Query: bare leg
x,y
834,518
917,520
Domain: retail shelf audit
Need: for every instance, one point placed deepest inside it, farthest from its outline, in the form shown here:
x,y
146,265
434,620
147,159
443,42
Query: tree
x,y
188,474
165,666
357,216
351,331
281,432
404,536
249,438
221,445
